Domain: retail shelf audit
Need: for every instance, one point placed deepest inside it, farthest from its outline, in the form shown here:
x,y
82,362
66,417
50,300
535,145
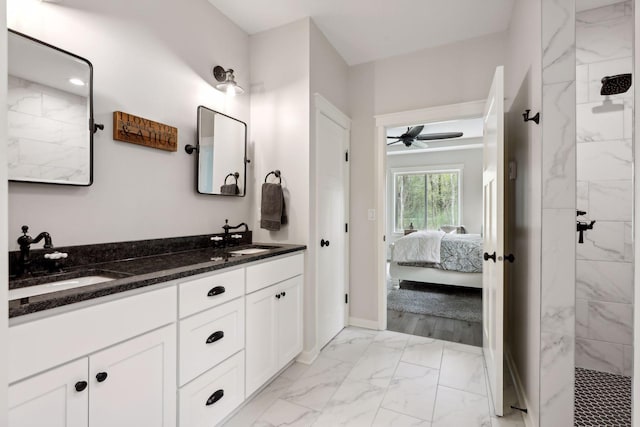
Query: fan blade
x,y
393,137
394,142
414,131
433,136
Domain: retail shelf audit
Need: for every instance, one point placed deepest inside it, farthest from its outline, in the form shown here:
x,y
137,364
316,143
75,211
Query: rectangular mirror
x,y
50,113
222,146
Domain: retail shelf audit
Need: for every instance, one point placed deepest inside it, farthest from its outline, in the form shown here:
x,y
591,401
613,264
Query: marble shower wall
x,y
604,269
47,133
557,311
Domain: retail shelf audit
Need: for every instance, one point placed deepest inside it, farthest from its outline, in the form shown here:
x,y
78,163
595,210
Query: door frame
x,y
326,108
463,110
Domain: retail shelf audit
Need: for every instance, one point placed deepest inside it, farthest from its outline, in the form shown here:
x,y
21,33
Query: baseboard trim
x,y
308,357
364,323
530,419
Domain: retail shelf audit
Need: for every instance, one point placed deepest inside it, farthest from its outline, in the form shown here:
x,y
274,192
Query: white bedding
x,y
420,246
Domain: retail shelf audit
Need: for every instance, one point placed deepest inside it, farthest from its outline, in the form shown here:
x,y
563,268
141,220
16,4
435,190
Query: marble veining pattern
x,y
604,273
415,395
558,41
47,133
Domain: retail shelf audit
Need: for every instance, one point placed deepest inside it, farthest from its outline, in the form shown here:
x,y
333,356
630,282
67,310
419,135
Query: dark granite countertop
x,y
134,273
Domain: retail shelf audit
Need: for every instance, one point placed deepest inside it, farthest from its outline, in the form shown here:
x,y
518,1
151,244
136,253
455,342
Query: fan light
x,y
227,81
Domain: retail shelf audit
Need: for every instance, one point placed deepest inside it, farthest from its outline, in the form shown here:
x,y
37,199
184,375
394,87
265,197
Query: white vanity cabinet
x,y
274,318
56,398
115,380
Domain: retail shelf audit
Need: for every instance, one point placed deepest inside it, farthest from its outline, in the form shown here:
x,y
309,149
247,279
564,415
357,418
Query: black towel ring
x,y
236,175
276,173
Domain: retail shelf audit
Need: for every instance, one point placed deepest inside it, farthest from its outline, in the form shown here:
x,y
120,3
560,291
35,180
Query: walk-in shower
x,y
604,257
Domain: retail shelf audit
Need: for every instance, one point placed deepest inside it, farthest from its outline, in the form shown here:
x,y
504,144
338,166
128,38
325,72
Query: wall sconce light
x,y
227,81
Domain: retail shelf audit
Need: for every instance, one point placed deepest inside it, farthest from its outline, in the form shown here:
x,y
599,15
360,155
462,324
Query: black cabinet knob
x,y
487,257
218,335
509,258
81,385
215,397
284,294
324,243
216,291
278,296
101,376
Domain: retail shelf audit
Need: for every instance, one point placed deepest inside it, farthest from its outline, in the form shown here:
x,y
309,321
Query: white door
x,y
289,309
133,384
493,229
56,398
261,333
332,183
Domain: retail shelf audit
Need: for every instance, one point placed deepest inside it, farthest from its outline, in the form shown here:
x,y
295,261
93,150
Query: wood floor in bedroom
x,y
441,328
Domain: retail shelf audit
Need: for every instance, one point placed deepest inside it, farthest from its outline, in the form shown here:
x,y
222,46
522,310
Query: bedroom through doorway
x,y
434,209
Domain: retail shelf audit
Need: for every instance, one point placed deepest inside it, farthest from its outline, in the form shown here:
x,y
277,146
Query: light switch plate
x,y
371,214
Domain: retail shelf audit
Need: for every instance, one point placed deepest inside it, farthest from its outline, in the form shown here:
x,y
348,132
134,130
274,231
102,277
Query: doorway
x,y
434,193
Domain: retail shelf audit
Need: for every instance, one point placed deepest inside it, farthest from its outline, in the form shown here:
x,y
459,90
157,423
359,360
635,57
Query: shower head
x,y
615,85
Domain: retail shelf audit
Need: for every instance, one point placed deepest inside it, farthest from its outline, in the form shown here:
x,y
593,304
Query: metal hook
x,y
535,118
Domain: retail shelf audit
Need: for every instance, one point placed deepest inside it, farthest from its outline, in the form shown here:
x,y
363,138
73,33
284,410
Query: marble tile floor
x,y
370,378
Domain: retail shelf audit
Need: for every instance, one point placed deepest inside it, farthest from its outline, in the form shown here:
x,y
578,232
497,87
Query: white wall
x,y
523,91
4,272
471,185
151,58
455,73
280,138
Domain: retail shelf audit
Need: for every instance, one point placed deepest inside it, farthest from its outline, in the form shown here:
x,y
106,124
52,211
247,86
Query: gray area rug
x,y
452,302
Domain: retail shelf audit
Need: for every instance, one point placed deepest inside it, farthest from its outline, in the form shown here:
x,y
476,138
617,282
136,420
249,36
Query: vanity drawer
x,y
197,406
209,291
273,271
208,338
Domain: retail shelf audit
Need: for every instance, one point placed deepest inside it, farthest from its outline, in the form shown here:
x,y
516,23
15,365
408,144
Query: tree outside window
x,y
427,200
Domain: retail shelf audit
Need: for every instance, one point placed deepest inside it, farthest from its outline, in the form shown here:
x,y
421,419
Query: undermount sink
x,y
58,285
252,250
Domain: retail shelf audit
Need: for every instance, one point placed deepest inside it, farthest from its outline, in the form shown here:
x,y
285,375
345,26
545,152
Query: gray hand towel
x,y
273,212
230,189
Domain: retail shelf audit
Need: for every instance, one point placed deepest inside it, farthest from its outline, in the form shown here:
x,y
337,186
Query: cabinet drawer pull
x,y
216,291
101,376
81,385
215,397
218,335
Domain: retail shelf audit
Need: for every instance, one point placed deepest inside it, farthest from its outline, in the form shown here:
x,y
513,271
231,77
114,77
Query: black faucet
x,y
25,242
228,227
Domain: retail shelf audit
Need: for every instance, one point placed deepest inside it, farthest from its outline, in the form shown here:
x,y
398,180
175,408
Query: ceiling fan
x,y
413,137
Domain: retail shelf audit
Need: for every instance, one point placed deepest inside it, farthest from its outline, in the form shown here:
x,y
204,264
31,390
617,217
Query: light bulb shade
x,y
227,81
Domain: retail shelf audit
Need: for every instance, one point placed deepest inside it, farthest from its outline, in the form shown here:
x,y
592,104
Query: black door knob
x,y
324,243
278,296
487,257
81,385
101,376
509,258
284,294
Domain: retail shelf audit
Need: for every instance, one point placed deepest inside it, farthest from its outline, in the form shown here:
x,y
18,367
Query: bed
x,y
413,257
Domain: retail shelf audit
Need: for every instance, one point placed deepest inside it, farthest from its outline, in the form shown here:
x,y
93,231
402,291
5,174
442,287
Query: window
x,y
427,200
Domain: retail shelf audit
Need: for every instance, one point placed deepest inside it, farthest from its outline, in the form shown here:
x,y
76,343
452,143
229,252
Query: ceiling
x,y
366,30
471,128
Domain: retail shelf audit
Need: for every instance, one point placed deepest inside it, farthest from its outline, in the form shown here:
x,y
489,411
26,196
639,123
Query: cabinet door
x,y
133,384
51,399
289,309
261,346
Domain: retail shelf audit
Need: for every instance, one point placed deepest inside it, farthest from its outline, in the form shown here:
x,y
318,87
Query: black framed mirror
x,y
221,154
50,113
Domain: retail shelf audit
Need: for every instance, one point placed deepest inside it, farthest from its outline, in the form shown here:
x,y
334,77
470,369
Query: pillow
x,y
453,229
